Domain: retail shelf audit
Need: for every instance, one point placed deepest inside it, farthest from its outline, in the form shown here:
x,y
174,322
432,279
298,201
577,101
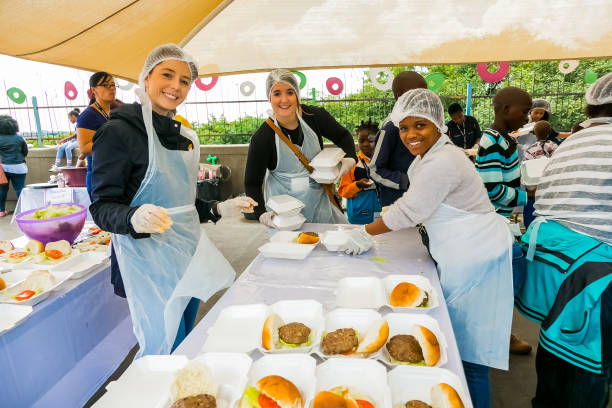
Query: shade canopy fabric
x,y
242,36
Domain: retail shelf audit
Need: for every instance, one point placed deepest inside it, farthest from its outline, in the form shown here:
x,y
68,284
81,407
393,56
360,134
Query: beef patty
x,y
405,348
340,341
294,333
196,401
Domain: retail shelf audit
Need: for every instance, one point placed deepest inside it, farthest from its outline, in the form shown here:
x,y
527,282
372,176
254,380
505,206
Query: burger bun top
x,y
269,335
429,344
193,379
281,390
375,337
406,294
445,396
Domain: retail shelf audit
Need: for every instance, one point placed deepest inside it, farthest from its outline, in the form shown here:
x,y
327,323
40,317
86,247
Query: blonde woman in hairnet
x,y
144,192
470,243
272,162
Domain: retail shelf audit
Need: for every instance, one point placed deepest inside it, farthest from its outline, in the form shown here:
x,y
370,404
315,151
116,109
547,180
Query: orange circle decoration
x,y
334,85
206,87
70,91
483,72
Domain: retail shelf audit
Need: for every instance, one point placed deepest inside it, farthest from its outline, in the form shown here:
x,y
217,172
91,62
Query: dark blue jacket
x,y
13,149
389,165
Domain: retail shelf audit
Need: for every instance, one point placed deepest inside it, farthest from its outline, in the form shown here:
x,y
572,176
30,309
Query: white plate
x,y
391,281
327,158
308,312
284,204
288,222
145,384
81,264
285,251
297,368
360,293
366,377
414,383
6,294
532,170
356,319
12,315
334,240
402,323
237,329
32,262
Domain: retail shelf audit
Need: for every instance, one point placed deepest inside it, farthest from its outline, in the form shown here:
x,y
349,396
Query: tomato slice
x,y
54,253
26,294
107,242
348,353
16,255
364,404
266,402
95,230
1,251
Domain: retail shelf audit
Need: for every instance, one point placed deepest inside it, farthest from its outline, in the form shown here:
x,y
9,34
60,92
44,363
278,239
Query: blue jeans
x,y
67,149
477,377
519,267
187,322
18,181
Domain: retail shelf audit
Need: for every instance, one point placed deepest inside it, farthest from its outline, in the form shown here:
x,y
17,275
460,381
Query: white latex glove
x,y
359,241
236,206
266,219
151,219
346,166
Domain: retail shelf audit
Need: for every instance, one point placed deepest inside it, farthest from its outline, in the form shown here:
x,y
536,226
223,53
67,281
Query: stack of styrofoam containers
x,y
288,212
327,165
532,171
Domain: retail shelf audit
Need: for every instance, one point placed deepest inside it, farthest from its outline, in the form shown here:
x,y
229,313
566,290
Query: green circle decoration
x,y
16,95
590,76
435,81
302,79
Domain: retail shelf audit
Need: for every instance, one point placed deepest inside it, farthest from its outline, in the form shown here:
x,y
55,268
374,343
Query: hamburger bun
x,y
63,246
308,238
6,246
34,247
429,344
39,280
281,390
445,396
269,335
193,379
328,399
406,294
2,284
375,337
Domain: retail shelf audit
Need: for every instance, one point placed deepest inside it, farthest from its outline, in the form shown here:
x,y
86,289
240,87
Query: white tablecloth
x,y
270,280
31,198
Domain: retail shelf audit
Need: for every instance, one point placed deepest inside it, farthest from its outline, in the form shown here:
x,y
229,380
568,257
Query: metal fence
x,y
567,100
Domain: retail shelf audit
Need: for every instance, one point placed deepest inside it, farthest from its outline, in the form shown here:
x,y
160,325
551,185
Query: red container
x,y
74,176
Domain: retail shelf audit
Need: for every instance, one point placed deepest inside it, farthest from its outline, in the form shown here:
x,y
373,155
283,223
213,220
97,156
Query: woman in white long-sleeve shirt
x,y
470,243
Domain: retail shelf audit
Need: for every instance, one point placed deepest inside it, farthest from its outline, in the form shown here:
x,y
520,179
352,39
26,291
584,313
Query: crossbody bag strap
x,y
328,188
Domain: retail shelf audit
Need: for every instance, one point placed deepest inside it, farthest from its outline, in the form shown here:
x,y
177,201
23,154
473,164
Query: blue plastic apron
x,y
290,177
162,273
474,259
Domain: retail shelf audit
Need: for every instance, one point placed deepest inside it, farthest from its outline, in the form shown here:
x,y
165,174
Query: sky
x,y
47,81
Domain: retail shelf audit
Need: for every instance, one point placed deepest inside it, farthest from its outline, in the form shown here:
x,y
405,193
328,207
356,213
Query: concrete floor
x,y
239,239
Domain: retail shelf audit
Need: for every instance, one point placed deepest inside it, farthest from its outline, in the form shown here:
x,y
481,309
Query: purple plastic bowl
x,y
67,227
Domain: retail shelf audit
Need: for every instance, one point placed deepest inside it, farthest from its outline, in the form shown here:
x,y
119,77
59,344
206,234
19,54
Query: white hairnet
x,y
285,76
420,103
164,53
541,103
600,92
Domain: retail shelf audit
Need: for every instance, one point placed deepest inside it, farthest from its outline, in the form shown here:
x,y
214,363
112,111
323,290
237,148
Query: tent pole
x,y
468,99
37,118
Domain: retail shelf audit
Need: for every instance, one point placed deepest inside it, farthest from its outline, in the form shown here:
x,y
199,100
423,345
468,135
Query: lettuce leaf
x,y
251,396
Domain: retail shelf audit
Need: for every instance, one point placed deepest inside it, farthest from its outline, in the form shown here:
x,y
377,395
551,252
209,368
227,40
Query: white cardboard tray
x,y
239,328
414,383
5,295
284,204
12,315
532,170
288,222
285,250
327,158
374,293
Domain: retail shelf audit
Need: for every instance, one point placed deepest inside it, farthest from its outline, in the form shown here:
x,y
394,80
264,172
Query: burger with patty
x,y
419,348
346,341
194,387
406,294
341,397
272,391
416,404
278,335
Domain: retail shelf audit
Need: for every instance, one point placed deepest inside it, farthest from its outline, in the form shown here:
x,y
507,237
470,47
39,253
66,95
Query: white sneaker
x,y
54,169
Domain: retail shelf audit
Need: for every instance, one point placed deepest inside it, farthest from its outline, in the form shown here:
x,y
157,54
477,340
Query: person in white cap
x,y
469,241
273,165
568,285
144,192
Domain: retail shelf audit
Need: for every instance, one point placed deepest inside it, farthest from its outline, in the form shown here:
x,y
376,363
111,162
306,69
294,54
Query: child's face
x,y
516,115
537,114
365,142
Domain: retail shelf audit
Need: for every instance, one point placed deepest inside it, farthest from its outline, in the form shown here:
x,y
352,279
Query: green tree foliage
x,y
540,79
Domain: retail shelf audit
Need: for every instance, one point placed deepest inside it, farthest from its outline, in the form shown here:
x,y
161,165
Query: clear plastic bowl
x,y
67,227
